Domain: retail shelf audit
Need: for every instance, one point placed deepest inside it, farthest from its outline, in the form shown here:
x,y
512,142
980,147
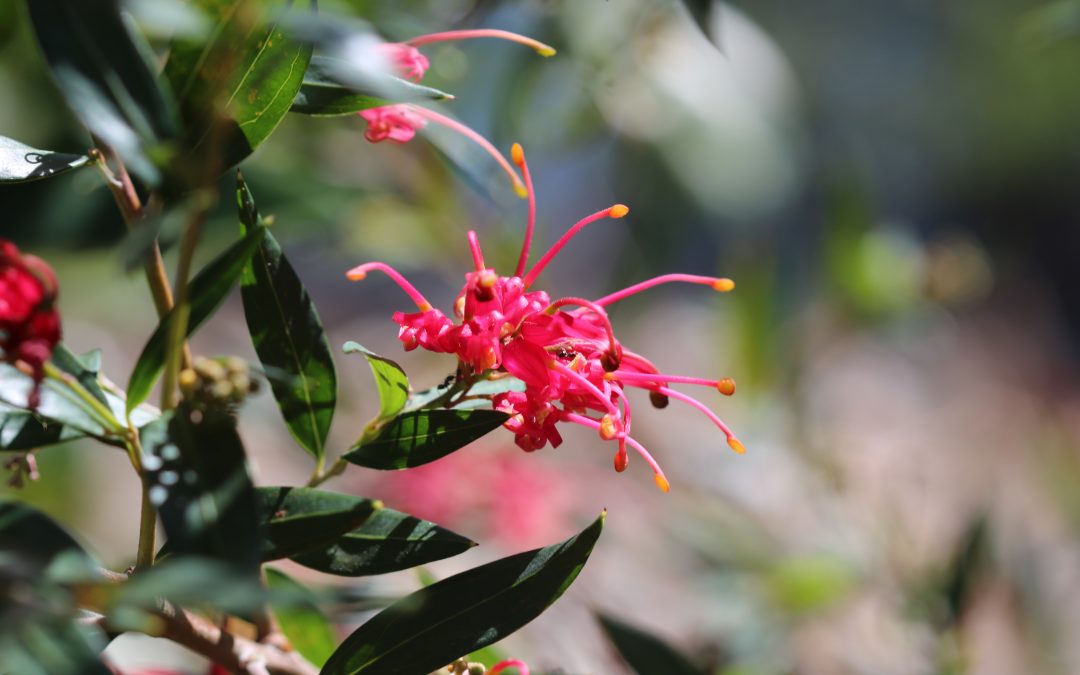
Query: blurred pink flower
x,y
394,123
399,123
569,359
406,60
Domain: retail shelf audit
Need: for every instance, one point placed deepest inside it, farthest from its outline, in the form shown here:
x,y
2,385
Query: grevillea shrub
x,y
525,365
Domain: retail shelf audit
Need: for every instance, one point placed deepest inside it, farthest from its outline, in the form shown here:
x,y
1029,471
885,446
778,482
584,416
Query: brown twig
x,y
131,208
238,654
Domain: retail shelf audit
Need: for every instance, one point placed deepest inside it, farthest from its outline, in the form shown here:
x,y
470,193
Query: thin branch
x,y
235,653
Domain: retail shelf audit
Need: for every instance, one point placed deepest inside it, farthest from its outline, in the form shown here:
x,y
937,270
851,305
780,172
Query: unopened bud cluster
x,y
464,667
217,383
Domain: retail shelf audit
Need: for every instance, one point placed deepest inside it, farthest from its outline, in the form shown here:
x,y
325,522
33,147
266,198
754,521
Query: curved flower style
x,y
29,323
399,123
522,667
565,351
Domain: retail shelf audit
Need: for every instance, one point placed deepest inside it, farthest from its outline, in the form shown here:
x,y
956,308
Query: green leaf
x,y
107,77
437,624
206,292
85,368
23,430
197,471
56,647
19,162
62,414
37,633
645,653
301,519
389,541
288,336
235,87
190,580
306,627
422,436
31,536
58,405
424,399
327,90
390,379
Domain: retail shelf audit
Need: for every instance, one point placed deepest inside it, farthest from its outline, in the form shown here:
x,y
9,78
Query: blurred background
x,y
895,188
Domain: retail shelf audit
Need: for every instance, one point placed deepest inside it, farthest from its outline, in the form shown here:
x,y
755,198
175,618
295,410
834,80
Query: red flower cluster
x,y
573,367
29,323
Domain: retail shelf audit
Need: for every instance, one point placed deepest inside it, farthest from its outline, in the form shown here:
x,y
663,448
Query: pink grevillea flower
x,y
565,351
399,123
394,123
406,60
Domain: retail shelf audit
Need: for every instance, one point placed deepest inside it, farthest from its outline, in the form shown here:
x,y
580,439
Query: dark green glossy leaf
x,y
646,654
104,71
422,436
236,86
301,519
24,430
389,541
206,291
31,536
19,162
306,627
197,472
328,90
62,414
437,624
390,380
85,368
58,406
288,336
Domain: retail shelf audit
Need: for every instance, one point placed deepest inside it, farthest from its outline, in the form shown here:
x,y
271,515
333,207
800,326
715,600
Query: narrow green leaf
x,y
389,541
19,162
328,90
288,335
298,519
390,380
235,87
422,436
646,654
437,624
306,627
104,73
197,471
206,291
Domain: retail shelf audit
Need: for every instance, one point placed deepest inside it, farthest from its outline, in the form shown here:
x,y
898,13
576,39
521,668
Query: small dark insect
x,y
448,381
565,353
